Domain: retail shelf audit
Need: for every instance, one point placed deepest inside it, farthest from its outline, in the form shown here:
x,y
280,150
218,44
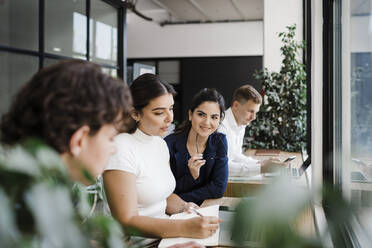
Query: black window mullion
x,y
122,42
41,33
87,10
307,58
19,50
157,67
328,176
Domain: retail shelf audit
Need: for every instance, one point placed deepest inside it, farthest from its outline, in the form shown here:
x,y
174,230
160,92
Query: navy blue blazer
x,y
212,180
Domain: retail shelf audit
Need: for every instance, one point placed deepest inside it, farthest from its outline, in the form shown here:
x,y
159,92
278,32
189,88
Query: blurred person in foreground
x,y
56,139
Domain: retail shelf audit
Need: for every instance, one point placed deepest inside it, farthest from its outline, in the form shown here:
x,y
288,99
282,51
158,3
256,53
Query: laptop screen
x,y
305,161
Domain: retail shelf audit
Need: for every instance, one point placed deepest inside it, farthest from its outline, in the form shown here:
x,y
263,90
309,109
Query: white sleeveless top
x,y
147,157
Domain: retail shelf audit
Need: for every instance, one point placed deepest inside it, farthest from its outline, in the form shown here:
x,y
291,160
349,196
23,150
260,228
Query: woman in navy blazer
x,y
198,153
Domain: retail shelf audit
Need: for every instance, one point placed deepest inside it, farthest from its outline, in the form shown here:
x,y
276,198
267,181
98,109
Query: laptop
x,y
359,176
294,172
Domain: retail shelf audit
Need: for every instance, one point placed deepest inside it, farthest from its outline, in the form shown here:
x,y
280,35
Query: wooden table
x,y
241,186
223,201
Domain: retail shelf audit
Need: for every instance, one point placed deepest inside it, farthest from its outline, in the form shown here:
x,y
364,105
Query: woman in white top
x,y
138,180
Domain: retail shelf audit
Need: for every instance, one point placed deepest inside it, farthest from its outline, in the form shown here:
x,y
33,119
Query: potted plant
x,y
281,122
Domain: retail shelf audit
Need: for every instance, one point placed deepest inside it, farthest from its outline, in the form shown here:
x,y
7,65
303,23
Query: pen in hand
x,y
196,211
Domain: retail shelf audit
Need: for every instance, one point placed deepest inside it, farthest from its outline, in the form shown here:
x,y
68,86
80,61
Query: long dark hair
x,y
204,95
60,99
147,87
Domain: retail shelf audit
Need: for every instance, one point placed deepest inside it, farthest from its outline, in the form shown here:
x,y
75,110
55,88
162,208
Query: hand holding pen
x,y
195,211
195,163
206,225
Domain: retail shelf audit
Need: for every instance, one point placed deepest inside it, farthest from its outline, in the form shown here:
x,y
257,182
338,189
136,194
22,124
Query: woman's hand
x,y
189,205
186,206
201,227
194,164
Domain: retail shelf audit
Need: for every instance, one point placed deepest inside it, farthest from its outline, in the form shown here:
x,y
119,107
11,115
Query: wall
x,y
150,40
277,15
224,74
317,99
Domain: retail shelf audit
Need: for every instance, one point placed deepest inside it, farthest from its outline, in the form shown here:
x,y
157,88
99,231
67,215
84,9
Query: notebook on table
x,y
210,241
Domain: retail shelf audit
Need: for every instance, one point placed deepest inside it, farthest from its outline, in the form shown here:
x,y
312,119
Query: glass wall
x,y
104,33
14,15
15,70
64,34
66,28
352,105
359,57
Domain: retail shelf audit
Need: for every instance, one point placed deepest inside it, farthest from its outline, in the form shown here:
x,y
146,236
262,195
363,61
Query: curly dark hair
x,y
60,99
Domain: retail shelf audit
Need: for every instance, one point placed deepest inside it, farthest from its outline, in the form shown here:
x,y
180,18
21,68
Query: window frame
x,y
334,119
119,5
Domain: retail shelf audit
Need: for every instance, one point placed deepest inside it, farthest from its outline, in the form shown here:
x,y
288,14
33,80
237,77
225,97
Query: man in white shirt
x,y
245,105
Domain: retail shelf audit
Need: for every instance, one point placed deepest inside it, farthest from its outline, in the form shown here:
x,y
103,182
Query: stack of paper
x,y
206,211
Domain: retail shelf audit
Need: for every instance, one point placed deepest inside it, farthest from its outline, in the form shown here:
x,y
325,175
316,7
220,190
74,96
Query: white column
x,y
277,15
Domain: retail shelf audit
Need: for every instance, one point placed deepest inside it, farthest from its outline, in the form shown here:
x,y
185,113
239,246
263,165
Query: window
x,y
38,33
358,167
348,124
14,15
10,78
104,34
66,28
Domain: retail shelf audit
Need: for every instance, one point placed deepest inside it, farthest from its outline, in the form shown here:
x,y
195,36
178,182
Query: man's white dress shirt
x,y
239,164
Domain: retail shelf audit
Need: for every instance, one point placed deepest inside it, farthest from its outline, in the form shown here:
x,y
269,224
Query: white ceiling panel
x,y
220,9
183,9
204,10
251,9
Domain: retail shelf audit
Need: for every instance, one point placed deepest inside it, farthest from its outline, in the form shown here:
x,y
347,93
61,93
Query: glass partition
x,y
103,33
19,26
15,71
66,28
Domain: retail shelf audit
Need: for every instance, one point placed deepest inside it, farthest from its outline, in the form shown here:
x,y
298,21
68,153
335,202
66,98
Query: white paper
x,y
257,177
210,241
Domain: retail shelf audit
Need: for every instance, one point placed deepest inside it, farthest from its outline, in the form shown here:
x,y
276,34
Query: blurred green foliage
x,y
271,218
40,206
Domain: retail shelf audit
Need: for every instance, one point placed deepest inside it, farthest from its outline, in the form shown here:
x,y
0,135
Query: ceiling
x,y
200,11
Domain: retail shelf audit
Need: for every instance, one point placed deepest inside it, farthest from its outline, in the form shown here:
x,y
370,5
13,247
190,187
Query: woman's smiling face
x,y
205,118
